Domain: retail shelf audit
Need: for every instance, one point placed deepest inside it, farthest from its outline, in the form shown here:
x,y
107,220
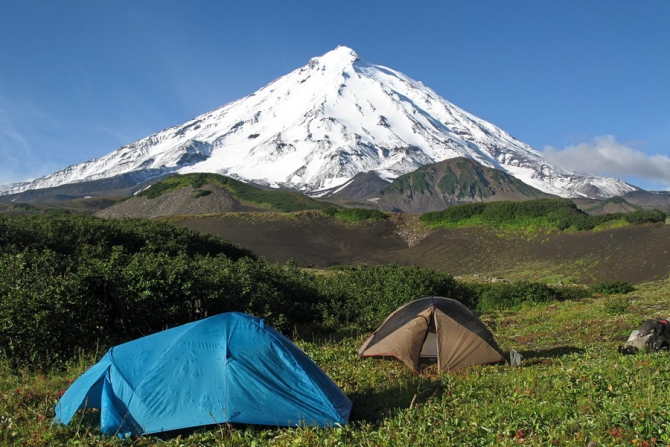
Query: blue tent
x,y
227,368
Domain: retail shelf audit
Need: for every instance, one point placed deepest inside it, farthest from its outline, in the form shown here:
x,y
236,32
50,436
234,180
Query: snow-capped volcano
x,y
318,126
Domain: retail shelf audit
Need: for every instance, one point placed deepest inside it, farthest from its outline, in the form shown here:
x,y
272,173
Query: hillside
x,y
186,200
451,182
634,253
285,226
196,194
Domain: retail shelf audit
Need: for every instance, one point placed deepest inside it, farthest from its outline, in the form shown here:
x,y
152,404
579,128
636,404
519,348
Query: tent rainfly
x,y
227,368
434,327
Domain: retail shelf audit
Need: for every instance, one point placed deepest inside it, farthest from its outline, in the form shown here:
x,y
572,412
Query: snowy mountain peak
x,y
320,125
339,58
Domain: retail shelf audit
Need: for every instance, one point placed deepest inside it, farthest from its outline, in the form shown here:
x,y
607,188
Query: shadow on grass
x,y
375,404
533,357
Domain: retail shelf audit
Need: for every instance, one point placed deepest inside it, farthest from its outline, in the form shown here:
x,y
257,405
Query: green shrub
x,y
616,305
47,311
645,216
329,211
560,214
360,214
365,295
571,293
80,235
25,207
73,282
612,287
504,296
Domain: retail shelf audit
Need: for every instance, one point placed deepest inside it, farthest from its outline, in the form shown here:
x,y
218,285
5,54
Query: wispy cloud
x,y
605,156
20,162
13,147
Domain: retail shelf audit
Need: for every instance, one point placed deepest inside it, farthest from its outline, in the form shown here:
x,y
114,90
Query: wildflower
x,y
5,422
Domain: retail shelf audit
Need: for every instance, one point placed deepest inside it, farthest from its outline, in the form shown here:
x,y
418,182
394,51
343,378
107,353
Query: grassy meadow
x,y
572,388
72,285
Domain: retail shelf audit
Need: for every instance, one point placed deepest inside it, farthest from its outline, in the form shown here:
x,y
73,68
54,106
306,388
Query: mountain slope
x,y
194,194
320,125
452,182
635,253
650,200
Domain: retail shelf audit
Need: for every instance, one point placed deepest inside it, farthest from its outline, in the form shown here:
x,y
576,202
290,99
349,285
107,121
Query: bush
x,y
365,295
616,305
571,293
360,214
73,282
47,311
503,296
560,214
613,287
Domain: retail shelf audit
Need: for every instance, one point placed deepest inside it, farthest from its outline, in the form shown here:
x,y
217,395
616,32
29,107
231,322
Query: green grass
x,y
573,388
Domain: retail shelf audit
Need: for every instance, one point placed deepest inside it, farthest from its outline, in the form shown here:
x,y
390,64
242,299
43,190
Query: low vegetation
x,y
72,283
559,214
71,286
354,214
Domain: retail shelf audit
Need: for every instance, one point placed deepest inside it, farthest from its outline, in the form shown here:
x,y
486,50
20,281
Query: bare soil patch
x,y
636,253
308,239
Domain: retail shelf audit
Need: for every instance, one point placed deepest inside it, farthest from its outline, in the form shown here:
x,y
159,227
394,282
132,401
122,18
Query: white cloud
x,y
5,186
606,157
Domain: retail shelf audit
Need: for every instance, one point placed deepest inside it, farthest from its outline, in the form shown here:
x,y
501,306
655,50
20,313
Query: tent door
x,y
429,348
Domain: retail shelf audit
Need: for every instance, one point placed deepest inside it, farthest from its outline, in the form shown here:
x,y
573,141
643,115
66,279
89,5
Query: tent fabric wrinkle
x,y
405,344
231,367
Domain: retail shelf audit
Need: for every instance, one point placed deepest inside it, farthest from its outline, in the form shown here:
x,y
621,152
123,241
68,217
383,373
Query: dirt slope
x,y
634,253
208,199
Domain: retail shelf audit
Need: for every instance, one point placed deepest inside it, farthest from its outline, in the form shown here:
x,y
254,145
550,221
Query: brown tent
x,y
434,327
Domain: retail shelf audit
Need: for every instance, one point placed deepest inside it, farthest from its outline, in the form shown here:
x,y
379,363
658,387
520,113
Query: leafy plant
x,y
612,287
359,214
616,305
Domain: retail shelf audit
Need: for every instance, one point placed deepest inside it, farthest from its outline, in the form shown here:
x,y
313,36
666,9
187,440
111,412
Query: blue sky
x,y
586,82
